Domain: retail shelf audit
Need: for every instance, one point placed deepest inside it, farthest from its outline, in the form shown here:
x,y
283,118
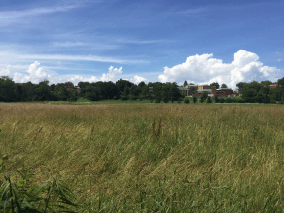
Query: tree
x,y
194,99
215,84
43,91
266,83
7,89
92,93
186,101
216,99
209,100
241,86
224,86
185,83
248,95
204,96
74,96
281,81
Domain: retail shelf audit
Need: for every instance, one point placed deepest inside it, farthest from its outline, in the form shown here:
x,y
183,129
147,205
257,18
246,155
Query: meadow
x,y
151,157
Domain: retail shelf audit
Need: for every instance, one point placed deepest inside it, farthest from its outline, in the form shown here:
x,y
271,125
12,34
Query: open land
x,y
151,157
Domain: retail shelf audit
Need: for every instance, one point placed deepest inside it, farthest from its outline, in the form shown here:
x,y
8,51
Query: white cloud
x,y
79,58
36,74
206,69
137,79
5,72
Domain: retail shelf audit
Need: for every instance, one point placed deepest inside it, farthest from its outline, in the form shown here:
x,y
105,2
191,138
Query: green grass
x,y
152,157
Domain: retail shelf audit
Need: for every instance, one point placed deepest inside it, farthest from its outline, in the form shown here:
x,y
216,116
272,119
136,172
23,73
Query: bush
x,y
157,101
221,100
115,97
186,101
209,100
123,98
194,99
216,99
165,99
229,100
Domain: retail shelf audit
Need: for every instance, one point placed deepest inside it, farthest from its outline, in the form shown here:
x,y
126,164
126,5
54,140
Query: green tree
x,y
241,86
215,84
204,96
209,100
74,96
216,99
281,81
185,83
224,86
7,89
92,93
194,99
43,91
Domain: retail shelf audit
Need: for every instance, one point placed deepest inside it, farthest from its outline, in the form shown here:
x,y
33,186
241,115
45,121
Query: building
x,y
213,91
272,86
72,88
184,90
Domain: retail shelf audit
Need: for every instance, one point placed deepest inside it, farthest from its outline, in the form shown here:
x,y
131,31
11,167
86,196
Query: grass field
x,y
151,157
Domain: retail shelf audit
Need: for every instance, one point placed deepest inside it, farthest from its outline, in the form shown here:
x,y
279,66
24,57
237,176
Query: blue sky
x,y
198,41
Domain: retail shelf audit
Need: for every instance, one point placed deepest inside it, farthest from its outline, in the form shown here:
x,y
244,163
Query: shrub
x,y
194,99
186,101
123,98
216,99
229,100
221,100
165,99
209,100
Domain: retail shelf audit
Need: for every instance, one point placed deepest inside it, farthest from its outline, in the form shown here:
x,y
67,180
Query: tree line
x,y
122,89
157,92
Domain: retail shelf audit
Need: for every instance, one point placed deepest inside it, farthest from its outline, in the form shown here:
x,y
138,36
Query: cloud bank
x,y
204,69
5,72
36,74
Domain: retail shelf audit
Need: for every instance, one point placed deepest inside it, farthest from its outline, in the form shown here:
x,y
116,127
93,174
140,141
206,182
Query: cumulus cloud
x,y
36,74
204,69
5,71
137,79
110,76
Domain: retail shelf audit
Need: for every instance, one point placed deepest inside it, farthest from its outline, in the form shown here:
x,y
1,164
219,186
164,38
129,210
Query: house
x,y
213,91
272,86
72,88
184,90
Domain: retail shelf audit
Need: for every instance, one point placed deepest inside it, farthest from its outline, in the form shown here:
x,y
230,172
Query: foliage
x,y
224,86
209,100
216,99
204,96
215,84
194,99
186,101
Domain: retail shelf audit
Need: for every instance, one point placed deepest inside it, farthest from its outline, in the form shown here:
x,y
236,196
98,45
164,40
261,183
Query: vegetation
x,y
144,158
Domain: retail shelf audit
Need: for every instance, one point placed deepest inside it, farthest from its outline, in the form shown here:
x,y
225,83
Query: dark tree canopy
x,y
215,84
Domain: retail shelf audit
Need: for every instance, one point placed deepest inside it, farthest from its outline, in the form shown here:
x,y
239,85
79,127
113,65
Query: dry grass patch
x,y
151,157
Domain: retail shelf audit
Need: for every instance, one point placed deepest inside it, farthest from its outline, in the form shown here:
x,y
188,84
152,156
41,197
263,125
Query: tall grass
x,y
151,158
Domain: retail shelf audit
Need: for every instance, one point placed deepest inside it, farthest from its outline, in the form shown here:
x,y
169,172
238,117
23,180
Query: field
x,y
151,157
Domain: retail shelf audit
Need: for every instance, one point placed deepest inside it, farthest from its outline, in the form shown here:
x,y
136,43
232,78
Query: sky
x,y
199,41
